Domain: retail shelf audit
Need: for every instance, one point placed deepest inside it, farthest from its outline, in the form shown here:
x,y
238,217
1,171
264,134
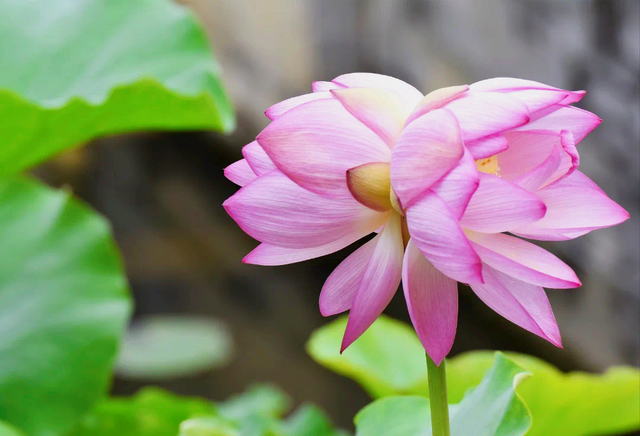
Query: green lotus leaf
x,y
64,306
491,409
163,346
151,412
79,69
573,404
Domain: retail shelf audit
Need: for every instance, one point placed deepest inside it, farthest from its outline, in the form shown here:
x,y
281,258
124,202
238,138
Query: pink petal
x,y
523,260
279,109
579,180
428,148
558,117
500,206
436,232
257,158
508,84
530,149
381,110
458,185
482,114
271,255
273,209
574,97
574,208
410,95
316,143
521,303
432,300
535,178
321,86
535,95
538,99
340,288
436,99
488,146
240,173
379,281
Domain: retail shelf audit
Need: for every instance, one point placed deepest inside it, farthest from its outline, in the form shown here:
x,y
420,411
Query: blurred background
x,y
163,191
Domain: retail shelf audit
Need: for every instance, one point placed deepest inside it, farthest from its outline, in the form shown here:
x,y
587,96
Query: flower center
x,y
489,165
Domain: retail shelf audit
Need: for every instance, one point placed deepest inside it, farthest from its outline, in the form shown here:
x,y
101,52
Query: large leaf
x,y
151,412
155,412
309,420
78,69
574,404
9,430
64,305
169,346
263,400
210,426
492,409
387,359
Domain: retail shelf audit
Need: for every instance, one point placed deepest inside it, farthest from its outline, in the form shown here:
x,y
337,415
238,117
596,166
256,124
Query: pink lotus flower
x,y
440,178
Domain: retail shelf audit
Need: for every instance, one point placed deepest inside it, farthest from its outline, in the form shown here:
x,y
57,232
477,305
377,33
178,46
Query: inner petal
x,y
370,184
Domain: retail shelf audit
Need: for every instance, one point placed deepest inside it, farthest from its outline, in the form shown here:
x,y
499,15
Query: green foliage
x,y
79,69
9,430
388,359
155,412
263,400
64,306
151,412
76,70
210,426
309,420
574,404
491,409
162,346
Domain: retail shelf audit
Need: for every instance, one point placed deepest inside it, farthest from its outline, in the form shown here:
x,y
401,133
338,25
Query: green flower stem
x,y
438,398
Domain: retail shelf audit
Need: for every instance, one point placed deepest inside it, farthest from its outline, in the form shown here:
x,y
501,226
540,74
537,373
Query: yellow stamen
x,y
488,165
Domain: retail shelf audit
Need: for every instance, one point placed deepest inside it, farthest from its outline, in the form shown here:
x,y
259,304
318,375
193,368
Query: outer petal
x,y
521,303
275,210
535,95
432,300
523,260
500,206
257,158
340,288
529,149
240,173
436,99
436,232
322,86
482,114
381,110
316,143
279,109
265,254
410,95
488,146
428,148
559,117
573,209
379,281
458,185
535,178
